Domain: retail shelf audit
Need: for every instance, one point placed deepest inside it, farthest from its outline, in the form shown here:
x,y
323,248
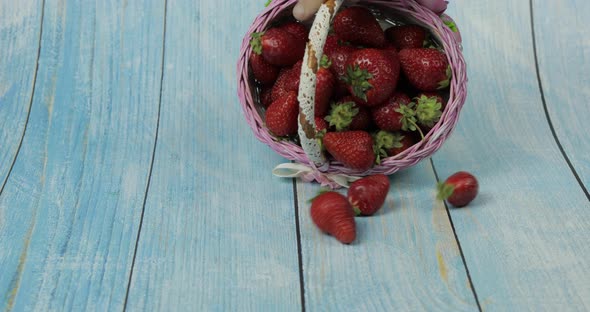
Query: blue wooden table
x,y
129,179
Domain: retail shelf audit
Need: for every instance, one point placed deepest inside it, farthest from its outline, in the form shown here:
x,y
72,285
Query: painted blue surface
x,y
87,223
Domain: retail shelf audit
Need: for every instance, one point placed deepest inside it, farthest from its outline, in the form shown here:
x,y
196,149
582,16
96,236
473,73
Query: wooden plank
x,y
405,257
20,26
564,75
525,237
219,230
70,210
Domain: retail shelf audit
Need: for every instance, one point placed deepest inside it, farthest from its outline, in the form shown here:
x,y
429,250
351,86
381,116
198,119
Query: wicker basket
x,y
333,173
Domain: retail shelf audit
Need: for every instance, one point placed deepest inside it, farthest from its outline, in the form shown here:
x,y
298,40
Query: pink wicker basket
x,y
333,173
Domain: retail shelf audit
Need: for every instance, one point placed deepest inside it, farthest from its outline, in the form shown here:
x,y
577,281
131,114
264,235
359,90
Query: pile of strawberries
x,y
378,91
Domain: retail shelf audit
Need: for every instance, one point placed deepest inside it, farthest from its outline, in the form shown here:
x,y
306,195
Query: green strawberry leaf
x,y
445,83
451,25
408,118
325,61
358,78
428,110
341,115
385,141
256,42
444,190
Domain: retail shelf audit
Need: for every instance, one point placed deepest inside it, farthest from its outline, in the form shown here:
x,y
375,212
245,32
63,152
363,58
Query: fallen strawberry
x,y
354,149
358,25
347,115
281,115
278,47
371,76
426,69
459,189
331,213
368,194
406,36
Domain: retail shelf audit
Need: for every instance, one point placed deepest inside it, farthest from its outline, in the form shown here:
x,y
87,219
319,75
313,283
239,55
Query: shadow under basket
x,y
331,172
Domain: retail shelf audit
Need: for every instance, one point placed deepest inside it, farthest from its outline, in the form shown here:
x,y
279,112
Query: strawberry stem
x,y
256,42
341,115
428,110
444,190
358,79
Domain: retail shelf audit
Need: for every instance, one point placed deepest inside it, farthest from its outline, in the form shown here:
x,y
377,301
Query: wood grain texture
x,y
405,257
20,27
219,230
70,210
525,236
564,63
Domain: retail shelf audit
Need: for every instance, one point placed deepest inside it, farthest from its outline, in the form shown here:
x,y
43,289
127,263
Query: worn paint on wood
x,y
525,236
71,205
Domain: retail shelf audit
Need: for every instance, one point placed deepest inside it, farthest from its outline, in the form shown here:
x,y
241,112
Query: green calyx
x,y
256,42
385,141
428,110
325,61
341,115
445,83
408,119
357,211
444,190
267,3
451,25
358,79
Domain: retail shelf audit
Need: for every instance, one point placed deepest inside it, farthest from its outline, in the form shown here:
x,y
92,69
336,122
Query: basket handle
x,y
307,85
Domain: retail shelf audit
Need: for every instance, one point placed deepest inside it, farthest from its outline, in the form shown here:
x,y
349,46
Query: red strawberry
x,y
386,116
287,81
371,76
358,25
323,91
282,114
426,69
331,213
406,36
296,29
389,47
338,57
354,149
459,189
332,42
368,194
266,98
320,124
264,72
278,47
347,115
406,141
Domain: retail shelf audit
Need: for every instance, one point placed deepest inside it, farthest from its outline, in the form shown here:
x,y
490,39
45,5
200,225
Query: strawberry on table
x,y
278,47
358,25
406,36
331,213
347,115
368,194
371,76
281,115
354,149
426,69
459,189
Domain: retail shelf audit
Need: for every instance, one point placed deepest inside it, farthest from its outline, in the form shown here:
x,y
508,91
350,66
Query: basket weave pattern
x,y
421,150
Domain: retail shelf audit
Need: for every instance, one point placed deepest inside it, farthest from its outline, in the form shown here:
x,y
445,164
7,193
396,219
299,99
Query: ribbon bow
x,y
308,174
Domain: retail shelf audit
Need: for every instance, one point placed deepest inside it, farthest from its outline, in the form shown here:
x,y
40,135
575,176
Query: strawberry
x,y
406,36
320,124
358,25
389,47
371,76
368,194
459,189
288,80
296,29
331,213
426,69
347,115
354,149
338,58
266,97
387,117
332,42
278,47
264,72
392,143
282,114
325,83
